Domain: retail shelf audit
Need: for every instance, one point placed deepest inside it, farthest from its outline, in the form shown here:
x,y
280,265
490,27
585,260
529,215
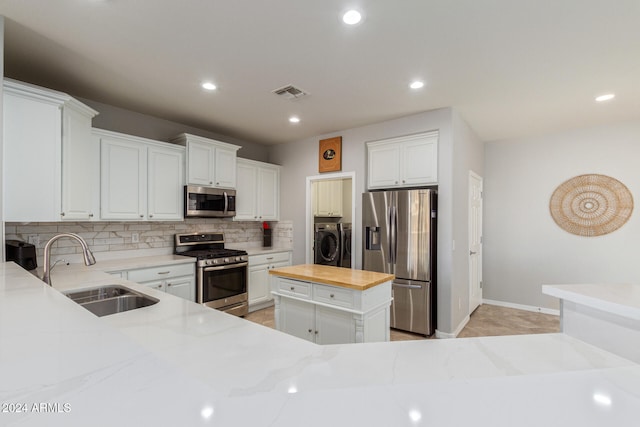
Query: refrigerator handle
x,y
393,240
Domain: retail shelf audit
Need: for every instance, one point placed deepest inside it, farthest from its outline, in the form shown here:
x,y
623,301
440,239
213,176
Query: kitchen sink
x,y
110,299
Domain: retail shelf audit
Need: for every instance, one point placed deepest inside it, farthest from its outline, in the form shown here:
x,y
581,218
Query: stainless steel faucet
x,y
89,259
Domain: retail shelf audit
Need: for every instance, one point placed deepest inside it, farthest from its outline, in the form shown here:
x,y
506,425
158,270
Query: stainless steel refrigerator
x,y
399,232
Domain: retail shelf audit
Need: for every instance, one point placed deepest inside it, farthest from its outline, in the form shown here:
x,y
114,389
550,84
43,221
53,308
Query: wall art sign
x,y
330,155
591,205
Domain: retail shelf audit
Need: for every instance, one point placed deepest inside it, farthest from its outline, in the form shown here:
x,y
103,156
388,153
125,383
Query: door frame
x,y
309,238
472,302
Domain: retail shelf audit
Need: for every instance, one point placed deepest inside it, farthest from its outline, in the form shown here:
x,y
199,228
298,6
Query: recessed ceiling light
x,y
208,86
352,17
294,119
416,84
606,97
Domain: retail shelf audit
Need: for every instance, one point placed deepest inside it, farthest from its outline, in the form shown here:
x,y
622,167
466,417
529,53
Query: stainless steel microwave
x,y
209,202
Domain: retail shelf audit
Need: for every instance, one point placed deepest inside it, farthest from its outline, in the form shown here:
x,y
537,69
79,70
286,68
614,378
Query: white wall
x,y
300,160
523,246
468,155
133,123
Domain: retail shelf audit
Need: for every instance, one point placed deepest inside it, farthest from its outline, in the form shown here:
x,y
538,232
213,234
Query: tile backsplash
x,y
153,237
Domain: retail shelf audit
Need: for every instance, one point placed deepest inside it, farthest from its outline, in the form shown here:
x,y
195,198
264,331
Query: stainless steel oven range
x,y
221,274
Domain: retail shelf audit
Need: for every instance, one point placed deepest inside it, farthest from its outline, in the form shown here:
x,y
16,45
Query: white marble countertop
x,y
620,299
179,363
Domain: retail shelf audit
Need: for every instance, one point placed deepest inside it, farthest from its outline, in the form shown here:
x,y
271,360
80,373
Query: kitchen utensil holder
x,y
266,238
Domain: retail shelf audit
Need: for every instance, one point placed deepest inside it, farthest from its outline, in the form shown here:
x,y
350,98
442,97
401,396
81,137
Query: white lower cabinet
x,y
327,314
174,279
259,266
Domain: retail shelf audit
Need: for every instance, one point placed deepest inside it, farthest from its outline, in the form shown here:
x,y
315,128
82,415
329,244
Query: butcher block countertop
x,y
337,276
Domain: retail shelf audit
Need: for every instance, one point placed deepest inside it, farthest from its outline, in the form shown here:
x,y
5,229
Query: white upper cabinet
x,y
140,179
210,163
257,191
49,155
328,198
407,161
165,182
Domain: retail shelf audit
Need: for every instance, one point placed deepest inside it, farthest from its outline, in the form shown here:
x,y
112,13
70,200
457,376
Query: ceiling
x,y
511,68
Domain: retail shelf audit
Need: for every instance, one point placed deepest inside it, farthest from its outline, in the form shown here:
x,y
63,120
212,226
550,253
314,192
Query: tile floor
x,y
487,320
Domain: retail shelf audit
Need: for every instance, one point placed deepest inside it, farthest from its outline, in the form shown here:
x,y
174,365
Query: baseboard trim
x,y
522,307
441,334
260,306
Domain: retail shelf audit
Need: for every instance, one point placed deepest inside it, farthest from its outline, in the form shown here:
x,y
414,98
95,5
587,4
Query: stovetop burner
x,y
213,253
208,248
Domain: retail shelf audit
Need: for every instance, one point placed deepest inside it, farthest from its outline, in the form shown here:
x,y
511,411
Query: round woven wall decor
x,y
591,205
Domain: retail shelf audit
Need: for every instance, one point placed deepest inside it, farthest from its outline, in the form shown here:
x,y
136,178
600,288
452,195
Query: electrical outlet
x,y
135,238
34,239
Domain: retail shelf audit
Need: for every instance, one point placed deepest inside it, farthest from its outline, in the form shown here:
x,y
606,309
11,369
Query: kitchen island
x,y
331,305
605,315
178,363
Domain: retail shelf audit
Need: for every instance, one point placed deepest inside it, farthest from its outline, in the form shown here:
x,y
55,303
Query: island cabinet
x,y
258,282
210,163
258,191
140,179
332,305
48,156
407,161
606,315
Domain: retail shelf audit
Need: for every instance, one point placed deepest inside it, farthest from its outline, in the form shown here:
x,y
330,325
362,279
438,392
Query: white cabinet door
x,y
183,287
47,155
329,198
408,161
80,171
259,291
155,284
225,168
123,180
297,318
200,163
384,165
32,145
210,163
165,184
258,191
420,162
334,326
247,192
268,194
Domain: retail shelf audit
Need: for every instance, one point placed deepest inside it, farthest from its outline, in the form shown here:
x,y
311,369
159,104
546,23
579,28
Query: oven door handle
x,y
227,267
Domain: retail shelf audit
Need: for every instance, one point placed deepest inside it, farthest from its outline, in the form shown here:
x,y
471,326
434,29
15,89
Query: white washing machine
x,y
326,246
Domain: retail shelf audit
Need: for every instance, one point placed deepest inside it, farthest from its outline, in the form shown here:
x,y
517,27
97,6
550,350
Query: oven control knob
x,y
226,260
238,258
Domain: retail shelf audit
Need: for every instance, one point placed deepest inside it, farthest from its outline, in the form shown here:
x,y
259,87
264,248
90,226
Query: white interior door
x,y
475,241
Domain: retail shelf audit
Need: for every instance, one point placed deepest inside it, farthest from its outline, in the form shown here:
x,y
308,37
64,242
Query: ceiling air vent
x,y
290,92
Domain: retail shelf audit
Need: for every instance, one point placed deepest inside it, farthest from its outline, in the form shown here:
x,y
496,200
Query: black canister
x,y
266,238
22,253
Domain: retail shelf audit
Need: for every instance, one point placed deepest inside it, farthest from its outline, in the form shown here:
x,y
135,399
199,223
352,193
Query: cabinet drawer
x,y
269,258
161,272
333,295
295,288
